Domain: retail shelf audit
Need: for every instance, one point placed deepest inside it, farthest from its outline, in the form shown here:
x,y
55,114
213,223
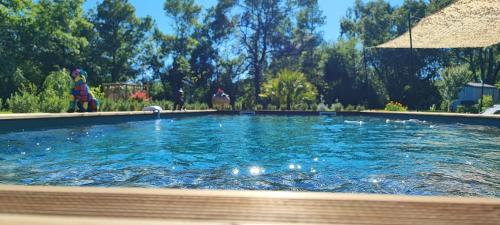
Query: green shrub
x,y
25,100
123,106
196,106
314,107
350,108
259,107
272,107
157,91
360,108
487,101
1,104
461,109
300,106
432,108
395,106
238,105
51,102
59,82
337,107
98,93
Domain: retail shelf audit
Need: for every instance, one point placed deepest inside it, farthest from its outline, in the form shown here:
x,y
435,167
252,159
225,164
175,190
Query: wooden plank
x,y
23,205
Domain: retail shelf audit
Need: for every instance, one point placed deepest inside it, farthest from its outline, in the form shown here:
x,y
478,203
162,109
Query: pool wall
x,y
18,122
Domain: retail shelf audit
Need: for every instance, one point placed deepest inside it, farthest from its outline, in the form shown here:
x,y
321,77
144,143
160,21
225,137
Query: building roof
x,y
472,84
463,24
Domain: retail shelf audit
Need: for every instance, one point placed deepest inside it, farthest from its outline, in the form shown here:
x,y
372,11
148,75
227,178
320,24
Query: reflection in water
x,y
341,154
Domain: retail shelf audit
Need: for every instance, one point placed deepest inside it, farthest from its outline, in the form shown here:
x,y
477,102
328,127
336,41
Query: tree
x,y
46,35
259,21
407,77
120,40
289,88
454,78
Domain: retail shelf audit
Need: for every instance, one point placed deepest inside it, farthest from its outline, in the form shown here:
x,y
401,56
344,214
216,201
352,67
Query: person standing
x,y
179,100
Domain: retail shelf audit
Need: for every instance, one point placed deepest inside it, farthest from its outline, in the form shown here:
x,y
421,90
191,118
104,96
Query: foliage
x,y
487,102
337,107
52,102
350,108
98,92
289,88
197,106
272,107
119,41
433,108
395,106
238,45
360,108
453,80
25,100
157,91
59,82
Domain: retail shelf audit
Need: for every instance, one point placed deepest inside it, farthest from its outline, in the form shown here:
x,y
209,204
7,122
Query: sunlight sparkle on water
x,y
255,170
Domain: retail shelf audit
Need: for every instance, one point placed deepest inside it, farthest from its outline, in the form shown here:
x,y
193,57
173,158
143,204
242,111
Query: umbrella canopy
x,y
463,24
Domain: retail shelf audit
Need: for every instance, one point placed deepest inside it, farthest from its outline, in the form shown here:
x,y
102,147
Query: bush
x,y
337,107
196,106
259,107
59,82
272,107
461,109
51,102
350,108
1,104
98,93
157,91
300,106
487,101
360,108
395,106
314,107
238,105
432,108
24,101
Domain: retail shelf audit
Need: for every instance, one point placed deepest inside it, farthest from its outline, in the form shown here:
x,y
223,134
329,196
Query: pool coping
x,y
94,205
20,116
25,121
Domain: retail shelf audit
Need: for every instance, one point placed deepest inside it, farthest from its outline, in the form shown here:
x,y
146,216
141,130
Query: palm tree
x,y
290,87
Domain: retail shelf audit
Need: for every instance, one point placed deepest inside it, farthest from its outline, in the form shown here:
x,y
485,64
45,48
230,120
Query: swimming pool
x,y
300,153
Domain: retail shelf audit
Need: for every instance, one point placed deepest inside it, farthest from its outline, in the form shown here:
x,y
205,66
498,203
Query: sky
x,y
334,10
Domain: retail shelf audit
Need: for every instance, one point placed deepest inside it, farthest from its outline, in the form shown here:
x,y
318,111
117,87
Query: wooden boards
x,y
81,205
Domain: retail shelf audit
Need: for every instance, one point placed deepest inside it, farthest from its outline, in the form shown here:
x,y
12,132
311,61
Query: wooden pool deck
x,y
85,206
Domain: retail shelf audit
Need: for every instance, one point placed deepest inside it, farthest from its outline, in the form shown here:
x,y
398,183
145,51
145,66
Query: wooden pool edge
x,y
92,205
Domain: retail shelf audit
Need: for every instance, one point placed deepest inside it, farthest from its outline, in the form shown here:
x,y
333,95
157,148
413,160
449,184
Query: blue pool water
x,y
299,153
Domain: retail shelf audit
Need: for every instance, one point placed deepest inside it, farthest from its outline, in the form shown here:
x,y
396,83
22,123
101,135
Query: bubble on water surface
x,y
315,159
235,171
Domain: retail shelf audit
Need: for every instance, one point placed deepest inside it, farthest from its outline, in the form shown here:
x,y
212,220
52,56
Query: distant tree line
x,y
253,49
